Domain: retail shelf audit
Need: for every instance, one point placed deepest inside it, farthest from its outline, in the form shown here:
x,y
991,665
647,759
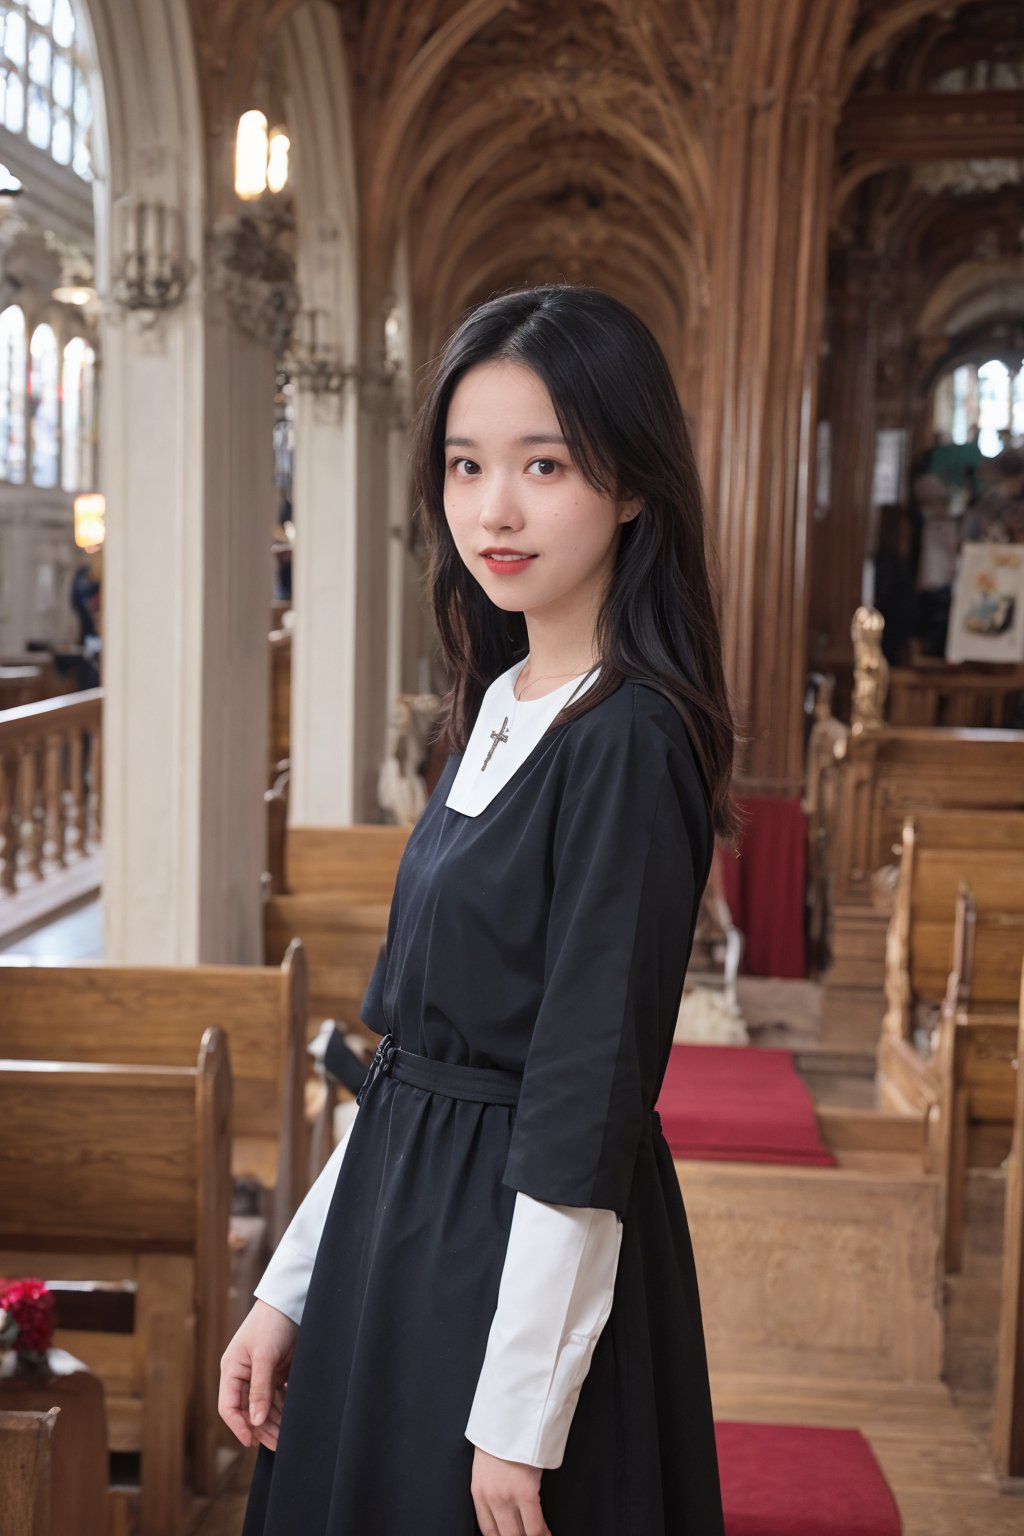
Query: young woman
x,y
500,1324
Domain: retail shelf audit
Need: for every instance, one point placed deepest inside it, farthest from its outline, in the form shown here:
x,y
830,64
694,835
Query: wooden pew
x,y
337,895
1008,1424
155,1016
279,733
79,1457
122,1174
976,1044
356,863
940,849
883,775
25,1473
811,1274
954,693
276,801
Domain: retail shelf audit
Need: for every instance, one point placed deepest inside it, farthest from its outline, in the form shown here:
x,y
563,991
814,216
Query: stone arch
x,y
147,97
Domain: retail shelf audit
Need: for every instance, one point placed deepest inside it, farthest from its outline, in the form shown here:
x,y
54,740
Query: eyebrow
x,y
530,439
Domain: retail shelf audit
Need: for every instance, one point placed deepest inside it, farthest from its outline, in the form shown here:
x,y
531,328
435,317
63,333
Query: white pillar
x,y
187,427
325,597
339,675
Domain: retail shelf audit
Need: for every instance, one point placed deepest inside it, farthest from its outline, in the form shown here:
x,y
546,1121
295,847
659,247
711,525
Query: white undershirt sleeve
x,y
555,1296
285,1280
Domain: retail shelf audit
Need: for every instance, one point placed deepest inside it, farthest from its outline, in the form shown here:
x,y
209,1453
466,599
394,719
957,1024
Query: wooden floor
x,y
931,1445
934,1462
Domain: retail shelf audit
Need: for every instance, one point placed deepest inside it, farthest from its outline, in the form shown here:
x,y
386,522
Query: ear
x,y
630,509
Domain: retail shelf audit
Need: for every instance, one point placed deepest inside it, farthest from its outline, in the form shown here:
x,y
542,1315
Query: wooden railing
x,y
50,786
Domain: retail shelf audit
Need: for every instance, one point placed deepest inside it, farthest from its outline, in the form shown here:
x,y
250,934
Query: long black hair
x,y
619,412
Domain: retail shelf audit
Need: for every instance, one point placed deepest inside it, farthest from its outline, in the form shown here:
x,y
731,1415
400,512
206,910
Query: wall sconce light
x,y
261,157
317,370
90,519
152,272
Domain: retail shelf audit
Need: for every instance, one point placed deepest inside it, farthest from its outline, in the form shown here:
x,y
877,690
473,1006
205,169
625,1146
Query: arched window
x,y
78,389
44,88
12,394
994,395
43,404
988,399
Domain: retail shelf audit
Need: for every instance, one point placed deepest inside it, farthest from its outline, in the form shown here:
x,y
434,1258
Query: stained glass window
x,y
12,394
78,390
44,87
43,404
988,399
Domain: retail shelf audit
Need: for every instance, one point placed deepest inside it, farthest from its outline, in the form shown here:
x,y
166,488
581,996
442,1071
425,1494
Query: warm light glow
x,y
277,160
74,293
251,155
90,517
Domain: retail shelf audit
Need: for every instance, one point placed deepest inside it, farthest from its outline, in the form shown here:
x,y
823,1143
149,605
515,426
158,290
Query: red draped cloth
x,y
764,885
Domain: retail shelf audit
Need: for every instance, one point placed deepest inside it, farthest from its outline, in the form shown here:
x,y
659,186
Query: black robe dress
x,y
548,935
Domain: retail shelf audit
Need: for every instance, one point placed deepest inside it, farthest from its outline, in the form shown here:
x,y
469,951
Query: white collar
x,y
473,787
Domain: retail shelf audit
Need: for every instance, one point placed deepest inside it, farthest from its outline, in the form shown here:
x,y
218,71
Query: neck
x,y
558,651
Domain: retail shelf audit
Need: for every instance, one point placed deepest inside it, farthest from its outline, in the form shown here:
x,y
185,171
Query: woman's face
x,y
510,484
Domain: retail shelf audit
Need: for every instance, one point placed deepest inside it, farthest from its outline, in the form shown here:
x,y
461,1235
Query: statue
x,y
870,671
401,789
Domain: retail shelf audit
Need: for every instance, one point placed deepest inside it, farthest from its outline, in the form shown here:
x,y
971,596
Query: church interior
x,y
225,269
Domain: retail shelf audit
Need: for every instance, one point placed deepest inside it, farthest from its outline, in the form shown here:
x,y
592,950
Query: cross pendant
x,y
499,735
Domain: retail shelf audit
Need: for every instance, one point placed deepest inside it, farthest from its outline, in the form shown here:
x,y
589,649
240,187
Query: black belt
x,y
483,1085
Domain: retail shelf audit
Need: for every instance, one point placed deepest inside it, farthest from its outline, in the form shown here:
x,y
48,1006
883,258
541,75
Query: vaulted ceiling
x,y
527,140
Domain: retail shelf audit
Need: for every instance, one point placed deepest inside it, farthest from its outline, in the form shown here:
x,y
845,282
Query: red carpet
x,y
785,1480
739,1104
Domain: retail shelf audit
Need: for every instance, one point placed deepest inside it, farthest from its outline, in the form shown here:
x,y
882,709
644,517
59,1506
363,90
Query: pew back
x,y
155,1016
341,940
977,1039
890,773
357,864
122,1174
279,732
25,1472
941,850
1008,1425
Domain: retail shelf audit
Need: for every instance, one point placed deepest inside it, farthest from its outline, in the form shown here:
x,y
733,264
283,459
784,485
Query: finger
x,y
506,1515
261,1387
484,1518
533,1520
268,1435
232,1400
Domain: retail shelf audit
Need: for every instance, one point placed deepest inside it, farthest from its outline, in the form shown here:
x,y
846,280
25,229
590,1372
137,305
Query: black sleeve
x,y
371,1009
631,850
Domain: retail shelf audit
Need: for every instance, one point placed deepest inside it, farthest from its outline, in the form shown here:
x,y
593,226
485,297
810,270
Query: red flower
x,y
29,1306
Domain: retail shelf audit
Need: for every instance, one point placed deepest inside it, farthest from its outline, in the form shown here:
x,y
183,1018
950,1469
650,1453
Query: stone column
x,y
775,126
340,678
374,624
188,411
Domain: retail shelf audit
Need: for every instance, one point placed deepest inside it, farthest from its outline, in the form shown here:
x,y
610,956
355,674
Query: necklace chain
x,y
518,696
502,733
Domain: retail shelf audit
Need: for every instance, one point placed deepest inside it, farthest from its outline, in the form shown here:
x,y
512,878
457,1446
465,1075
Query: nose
x,y
499,507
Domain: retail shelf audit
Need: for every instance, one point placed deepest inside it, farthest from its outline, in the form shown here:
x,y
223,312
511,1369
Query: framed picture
x,y
986,622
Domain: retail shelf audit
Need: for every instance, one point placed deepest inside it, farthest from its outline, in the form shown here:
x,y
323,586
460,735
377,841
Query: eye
x,y
454,464
551,463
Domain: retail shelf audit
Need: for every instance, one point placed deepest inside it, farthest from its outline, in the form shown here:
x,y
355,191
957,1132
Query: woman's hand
x,y
253,1369
506,1495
